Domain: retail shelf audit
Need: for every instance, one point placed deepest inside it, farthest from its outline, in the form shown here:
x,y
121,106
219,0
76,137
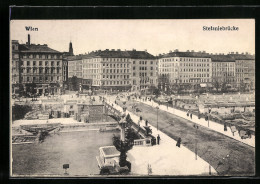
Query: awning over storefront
x,y
203,85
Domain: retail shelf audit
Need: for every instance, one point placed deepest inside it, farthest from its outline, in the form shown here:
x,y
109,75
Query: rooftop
x,y
222,58
242,56
36,48
186,54
119,54
73,58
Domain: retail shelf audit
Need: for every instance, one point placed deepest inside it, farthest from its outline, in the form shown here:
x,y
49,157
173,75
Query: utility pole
x,y
157,116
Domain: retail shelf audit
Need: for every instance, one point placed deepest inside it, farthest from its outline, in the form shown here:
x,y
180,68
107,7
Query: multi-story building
x,y
15,66
41,68
74,66
144,69
114,69
108,69
184,69
245,70
223,71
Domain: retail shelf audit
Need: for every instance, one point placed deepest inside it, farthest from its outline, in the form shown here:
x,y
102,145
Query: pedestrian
x,y
178,142
190,115
225,127
249,133
158,139
146,123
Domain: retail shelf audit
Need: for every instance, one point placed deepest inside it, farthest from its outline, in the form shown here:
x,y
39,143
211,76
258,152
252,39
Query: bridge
x,y
116,114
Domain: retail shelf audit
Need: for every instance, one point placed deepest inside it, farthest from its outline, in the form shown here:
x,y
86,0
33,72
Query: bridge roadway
x,y
211,145
115,112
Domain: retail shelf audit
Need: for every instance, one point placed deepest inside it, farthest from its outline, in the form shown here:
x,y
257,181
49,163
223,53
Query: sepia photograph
x,y
132,97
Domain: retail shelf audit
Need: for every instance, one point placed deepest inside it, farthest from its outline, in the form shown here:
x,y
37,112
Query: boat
x,y
36,128
109,128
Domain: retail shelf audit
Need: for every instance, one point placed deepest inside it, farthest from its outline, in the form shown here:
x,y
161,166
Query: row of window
x,y
40,79
143,74
42,56
114,65
143,62
115,82
41,70
143,68
115,76
116,71
224,74
34,63
223,64
191,81
184,64
185,59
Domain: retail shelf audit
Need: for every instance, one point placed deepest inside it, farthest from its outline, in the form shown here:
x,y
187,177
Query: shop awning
x,y
203,85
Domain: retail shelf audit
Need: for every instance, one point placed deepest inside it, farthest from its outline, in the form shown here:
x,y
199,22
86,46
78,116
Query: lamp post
x,y
157,116
208,115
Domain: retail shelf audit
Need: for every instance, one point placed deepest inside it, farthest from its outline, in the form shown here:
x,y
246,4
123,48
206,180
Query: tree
x,y
224,87
30,88
216,84
74,83
122,147
242,86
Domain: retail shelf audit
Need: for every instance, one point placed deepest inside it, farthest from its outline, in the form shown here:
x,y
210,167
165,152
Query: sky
x,y
157,36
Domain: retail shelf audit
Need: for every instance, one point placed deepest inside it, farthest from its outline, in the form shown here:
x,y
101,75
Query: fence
x,y
142,142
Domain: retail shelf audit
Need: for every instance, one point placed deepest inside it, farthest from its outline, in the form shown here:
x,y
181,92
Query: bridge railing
x,y
142,142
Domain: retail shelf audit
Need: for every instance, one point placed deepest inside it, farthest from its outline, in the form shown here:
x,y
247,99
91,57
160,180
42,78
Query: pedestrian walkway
x,y
166,158
212,125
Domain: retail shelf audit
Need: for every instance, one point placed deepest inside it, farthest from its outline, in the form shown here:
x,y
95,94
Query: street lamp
x,y
208,115
157,116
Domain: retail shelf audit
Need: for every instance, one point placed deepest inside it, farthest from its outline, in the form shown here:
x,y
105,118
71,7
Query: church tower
x,y
71,50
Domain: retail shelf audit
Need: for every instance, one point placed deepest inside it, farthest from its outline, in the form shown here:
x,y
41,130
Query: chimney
x,y
29,39
236,52
188,50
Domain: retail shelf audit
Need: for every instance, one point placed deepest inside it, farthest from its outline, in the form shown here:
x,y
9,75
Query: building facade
x,y
223,71
184,69
75,66
144,69
245,71
40,68
108,69
15,66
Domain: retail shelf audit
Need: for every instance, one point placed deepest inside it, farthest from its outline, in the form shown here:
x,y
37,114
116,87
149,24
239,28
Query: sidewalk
x,y
166,158
212,125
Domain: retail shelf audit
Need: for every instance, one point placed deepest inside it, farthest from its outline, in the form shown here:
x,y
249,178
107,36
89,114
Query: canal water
x,y
78,149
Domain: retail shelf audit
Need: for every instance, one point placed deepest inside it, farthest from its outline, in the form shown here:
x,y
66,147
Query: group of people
x,y
189,114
